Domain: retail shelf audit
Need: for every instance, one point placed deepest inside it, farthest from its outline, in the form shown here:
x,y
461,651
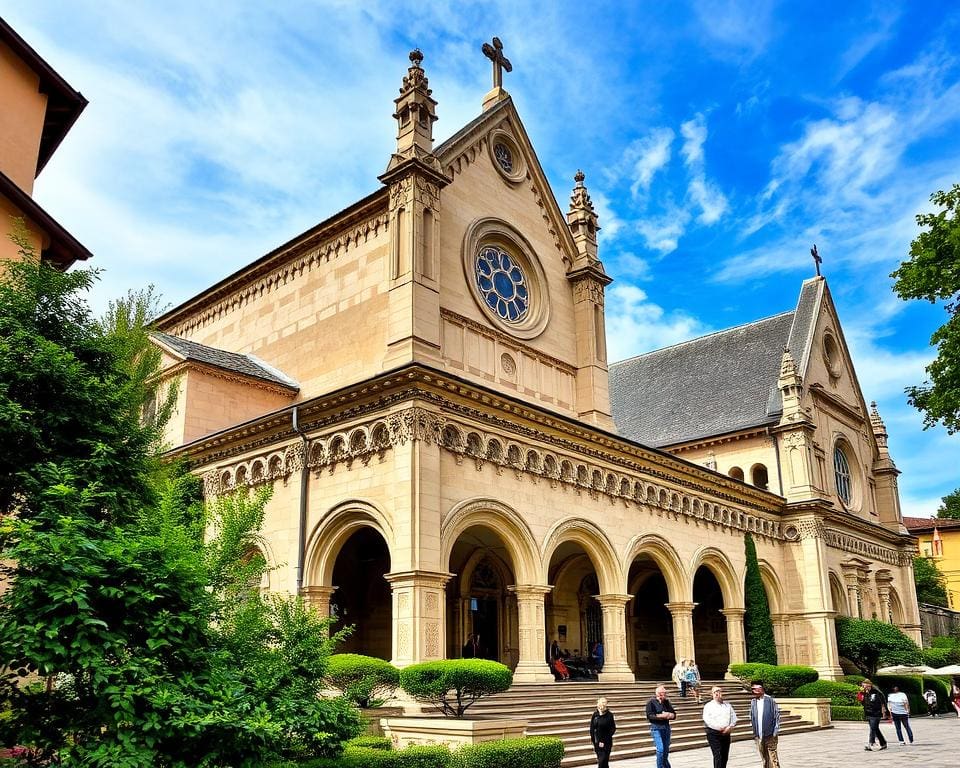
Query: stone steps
x,y
564,710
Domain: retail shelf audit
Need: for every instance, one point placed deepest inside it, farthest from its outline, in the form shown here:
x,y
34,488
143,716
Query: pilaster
x,y
319,598
532,666
736,641
683,642
419,615
615,667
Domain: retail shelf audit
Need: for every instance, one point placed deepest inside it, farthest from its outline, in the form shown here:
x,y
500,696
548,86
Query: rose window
x,y
502,284
504,157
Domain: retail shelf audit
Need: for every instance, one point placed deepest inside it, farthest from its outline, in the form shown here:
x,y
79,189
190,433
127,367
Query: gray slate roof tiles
x,y
246,365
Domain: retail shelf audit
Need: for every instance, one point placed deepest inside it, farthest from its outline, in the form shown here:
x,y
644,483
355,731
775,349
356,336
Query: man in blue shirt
x,y
660,712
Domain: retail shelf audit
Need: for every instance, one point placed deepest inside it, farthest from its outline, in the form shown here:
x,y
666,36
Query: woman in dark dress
x,y
602,728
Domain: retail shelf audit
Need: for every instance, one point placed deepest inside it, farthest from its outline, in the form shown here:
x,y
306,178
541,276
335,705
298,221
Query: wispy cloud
x,y
636,325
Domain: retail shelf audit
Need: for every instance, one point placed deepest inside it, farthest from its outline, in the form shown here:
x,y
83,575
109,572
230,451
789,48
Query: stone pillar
x,y
780,627
683,644
319,598
884,579
532,666
736,643
419,616
615,667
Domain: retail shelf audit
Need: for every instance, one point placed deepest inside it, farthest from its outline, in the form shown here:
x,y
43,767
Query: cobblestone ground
x,y
936,744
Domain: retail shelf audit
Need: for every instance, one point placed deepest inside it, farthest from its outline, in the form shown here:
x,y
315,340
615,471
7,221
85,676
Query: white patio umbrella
x,y
907,669
950,669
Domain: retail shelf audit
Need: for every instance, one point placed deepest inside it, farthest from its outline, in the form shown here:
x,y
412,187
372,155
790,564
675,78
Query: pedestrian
x,y
955,697
930,696
679,678
659,713
765,720
899,706
874,710
692,676
719,719
602,727
471,648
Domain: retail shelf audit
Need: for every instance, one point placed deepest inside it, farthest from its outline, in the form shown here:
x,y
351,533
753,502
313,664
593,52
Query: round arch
x,y
771,583
838,595
896,608
594,542
679,585
331,533
720,566
502,519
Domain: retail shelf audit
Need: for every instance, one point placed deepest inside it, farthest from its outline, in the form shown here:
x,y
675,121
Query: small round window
x,y
503,156
502,284
506,156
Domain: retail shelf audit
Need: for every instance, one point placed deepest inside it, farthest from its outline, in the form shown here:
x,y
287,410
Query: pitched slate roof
x,y
245,365
714,385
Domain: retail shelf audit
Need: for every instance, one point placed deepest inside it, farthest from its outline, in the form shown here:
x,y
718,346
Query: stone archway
x,y
710,625
650,642
362,599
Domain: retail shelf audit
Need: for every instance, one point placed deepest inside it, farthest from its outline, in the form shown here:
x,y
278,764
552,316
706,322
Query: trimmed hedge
x,y
777,680
846,713
453,685
943,641
365,680
855,679
530,752
840,694
371,742
429,756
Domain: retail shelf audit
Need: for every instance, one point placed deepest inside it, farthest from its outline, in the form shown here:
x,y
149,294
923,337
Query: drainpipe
x,y
304,478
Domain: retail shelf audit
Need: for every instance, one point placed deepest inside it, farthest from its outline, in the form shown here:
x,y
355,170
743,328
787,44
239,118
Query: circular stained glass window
x,y
504,157
502,284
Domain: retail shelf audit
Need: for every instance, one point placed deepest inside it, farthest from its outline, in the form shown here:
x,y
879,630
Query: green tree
x,y
950,506
871,644
933,273
757,623
930,583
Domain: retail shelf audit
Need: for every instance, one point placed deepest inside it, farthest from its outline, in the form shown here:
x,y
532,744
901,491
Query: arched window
x,y
736,473
759,477
841,473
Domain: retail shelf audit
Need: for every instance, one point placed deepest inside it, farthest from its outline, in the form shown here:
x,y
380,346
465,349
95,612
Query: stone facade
x,y
449,449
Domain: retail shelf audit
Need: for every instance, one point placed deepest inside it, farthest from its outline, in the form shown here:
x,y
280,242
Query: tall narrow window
x,y
841,473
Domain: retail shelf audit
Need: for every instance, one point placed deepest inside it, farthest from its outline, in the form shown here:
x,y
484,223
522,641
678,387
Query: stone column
x,y
683,644
615,667
319,598
736,643
780,623
884,580
532,666
419,616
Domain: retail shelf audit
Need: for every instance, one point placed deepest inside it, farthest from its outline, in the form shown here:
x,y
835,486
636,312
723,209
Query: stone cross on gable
x,y
817,261
500,62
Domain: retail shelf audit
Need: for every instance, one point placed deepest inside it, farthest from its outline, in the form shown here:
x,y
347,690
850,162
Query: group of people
x,y
687,677
565,665
719,718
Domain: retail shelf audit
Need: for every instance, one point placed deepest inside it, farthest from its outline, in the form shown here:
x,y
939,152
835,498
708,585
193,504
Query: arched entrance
x,y
362,598
574,616
479,599
650,647
710,625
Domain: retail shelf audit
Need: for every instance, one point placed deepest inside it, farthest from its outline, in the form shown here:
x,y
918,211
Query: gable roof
x,y
712,385
64,104
927,524
245,365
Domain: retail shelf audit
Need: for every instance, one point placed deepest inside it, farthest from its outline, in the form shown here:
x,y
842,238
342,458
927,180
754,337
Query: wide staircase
x,y
564,710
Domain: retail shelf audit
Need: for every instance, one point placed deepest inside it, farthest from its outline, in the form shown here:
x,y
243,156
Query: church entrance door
x,y
709,625
362,598
650,646
574,617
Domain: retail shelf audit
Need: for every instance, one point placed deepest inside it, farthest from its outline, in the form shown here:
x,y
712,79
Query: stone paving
x,y
936,744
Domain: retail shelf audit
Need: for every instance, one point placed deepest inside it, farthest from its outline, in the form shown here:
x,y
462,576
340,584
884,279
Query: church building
x,y
423,380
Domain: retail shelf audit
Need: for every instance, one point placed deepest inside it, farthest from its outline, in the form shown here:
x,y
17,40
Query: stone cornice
x,y
837,405
326,241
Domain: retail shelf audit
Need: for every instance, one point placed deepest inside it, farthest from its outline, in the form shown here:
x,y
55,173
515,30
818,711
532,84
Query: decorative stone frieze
x,y
860,546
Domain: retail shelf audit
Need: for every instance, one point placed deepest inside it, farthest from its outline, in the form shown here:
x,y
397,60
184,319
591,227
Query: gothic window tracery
x,y
502,283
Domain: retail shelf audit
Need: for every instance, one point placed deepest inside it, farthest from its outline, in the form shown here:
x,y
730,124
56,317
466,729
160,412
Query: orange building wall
x,y
21,119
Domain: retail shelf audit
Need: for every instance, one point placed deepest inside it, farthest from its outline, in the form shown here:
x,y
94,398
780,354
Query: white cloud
x,y
662,232
694,133
636,325
712,202
647,156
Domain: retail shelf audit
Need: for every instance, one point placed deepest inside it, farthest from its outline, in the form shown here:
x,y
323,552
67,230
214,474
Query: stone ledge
x,y
405,731
816,711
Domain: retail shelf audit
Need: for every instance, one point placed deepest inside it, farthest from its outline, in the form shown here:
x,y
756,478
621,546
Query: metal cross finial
x,y
495,54
816,258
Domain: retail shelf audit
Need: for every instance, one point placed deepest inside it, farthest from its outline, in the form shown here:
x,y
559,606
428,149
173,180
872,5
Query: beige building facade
x,y
422,379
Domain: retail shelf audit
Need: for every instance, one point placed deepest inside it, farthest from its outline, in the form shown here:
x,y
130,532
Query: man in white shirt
x,y
719,719
899,706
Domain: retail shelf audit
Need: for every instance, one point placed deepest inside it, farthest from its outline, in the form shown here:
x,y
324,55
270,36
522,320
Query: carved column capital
x,y
680,609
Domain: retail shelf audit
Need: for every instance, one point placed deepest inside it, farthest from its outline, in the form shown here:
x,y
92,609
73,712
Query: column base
x,y
829,673
526,674
617,674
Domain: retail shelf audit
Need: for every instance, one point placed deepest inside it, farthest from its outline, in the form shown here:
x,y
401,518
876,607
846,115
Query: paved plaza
x,y
936,744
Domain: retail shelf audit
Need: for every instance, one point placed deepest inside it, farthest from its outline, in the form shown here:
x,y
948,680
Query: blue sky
x,y
720,141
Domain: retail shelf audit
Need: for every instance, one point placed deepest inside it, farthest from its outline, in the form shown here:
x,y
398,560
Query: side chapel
x,y
423,380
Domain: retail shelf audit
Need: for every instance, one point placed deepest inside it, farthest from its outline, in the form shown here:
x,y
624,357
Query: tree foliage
x,y
130,639
933,273
950,506
757,622
453,685
872,644
930,583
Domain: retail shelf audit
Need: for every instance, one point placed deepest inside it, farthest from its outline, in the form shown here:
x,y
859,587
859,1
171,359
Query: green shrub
x,y
430,756
453,685
371,742
846,713
757,624
531,752
365,680
943,642
840,694
937,657
855,679
872,644
777,680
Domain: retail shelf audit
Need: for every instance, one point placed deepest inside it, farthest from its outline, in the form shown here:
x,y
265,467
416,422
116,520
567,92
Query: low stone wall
x,y
373,716
404,731
938,622
816,711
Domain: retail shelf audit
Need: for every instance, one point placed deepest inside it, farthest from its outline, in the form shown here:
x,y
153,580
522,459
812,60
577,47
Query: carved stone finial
x,y
879,428
580,198
583,221
579,177
415,113
415,77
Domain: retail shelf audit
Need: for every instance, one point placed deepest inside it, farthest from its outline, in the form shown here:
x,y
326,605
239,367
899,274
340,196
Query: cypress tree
x,y
757,624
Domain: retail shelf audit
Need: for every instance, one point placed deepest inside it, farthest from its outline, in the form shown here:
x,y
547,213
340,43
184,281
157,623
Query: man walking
x,y
874,710
719,718
899,706
765,719
660,712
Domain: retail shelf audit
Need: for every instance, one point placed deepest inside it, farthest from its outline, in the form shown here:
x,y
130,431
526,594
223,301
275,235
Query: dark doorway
x,y
362,598
651,636
709,626
487,626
